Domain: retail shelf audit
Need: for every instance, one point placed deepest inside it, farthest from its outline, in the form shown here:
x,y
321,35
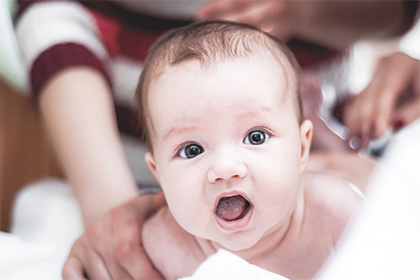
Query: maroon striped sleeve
x,y
60,57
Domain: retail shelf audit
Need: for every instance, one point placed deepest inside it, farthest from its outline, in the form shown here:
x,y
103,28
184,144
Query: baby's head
x,y
221,110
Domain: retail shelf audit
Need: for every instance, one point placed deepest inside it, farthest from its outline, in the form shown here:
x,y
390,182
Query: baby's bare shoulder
x,y
172,250
331,200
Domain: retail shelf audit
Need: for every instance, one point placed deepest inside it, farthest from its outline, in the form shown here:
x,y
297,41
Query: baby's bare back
x,y
329,204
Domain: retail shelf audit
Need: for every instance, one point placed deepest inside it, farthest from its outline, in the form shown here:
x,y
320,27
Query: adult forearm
x,y
340,23
78,111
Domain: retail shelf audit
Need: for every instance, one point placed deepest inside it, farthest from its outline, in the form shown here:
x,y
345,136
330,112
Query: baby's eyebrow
x,y
247,115
179,130
253,114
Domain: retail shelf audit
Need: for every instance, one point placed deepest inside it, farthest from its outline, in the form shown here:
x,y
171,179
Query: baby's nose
x,y
225,167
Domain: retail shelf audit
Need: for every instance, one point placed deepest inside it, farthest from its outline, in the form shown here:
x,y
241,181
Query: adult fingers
x,y
369,114
258,14
127,244
83,258
357,115
406,114
136,262
376,105
73,269
217,9
128,249
397,73
96,268
101,237
266,15
358,111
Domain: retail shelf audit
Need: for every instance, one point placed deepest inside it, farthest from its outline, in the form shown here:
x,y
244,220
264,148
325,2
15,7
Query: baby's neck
x,y
278,239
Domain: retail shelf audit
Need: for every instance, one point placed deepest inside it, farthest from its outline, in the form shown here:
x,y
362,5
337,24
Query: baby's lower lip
x,y
236,224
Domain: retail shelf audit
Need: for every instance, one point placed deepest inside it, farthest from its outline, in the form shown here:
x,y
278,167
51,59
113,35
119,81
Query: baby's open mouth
x,y
232,208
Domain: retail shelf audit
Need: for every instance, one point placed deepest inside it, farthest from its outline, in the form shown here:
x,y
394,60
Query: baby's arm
x,y
174,252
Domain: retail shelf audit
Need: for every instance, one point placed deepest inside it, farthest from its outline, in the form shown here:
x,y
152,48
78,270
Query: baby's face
x,y
227,149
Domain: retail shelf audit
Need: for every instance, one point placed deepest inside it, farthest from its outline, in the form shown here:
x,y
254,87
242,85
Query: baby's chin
x,y
236,243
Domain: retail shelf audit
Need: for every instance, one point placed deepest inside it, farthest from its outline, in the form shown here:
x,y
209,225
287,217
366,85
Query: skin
x,y
93,133
328,23
97,165
347,165
391,100
189,104
112,248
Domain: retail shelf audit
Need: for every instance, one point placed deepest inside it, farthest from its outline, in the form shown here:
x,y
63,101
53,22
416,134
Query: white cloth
x,y
384,241
227,266
46,222
22,260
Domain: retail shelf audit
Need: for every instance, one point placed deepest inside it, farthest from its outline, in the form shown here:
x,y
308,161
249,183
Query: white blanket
x,y
46,222
21,260
227,266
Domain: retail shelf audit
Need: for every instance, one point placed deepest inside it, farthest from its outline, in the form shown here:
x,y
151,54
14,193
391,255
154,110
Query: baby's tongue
x,y
231,208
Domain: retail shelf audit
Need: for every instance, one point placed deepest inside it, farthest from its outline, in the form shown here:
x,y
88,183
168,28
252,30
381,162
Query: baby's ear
x,y
305,140
150,160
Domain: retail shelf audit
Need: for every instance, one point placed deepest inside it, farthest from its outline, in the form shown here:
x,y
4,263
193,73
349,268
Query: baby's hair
x,y
209,42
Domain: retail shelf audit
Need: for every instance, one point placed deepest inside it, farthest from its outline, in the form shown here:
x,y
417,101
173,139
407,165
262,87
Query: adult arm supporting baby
x,y
70,80
77,108
112,248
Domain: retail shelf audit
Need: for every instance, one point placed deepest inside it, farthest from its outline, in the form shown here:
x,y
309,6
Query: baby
x,y
220,105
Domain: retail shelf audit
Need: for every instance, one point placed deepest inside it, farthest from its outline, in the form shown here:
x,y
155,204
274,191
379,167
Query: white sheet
x,y
46,222
23,260
227,266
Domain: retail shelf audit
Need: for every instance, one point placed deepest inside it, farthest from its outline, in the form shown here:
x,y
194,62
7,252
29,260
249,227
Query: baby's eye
x,y
190,151
256,137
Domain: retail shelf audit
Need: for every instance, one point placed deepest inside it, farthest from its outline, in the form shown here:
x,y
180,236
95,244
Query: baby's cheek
x,y
278,185
181,207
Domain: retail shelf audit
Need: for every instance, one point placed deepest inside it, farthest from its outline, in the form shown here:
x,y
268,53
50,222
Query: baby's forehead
x,y
280,65
255,71
214,90
261,76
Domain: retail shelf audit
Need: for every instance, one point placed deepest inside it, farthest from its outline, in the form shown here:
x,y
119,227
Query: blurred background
x,y
26,154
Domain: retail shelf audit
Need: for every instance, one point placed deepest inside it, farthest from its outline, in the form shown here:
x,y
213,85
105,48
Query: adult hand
x,y
327,23
112,248
392,99
274,17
